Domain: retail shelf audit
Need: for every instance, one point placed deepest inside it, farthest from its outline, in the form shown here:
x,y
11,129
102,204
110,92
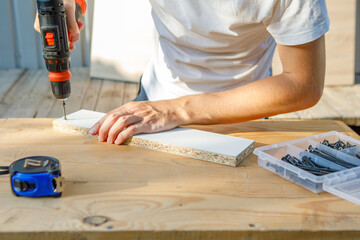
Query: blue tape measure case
x,y
36,176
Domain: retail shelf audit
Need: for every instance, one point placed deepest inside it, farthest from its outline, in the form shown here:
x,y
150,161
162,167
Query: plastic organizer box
x,y
343,183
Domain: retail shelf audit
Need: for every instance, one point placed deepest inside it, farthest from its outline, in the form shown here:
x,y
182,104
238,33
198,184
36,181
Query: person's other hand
x,y
74,27
134,118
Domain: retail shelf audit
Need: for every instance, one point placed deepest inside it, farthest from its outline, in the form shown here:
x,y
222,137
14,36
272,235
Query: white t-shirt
x,y
206,46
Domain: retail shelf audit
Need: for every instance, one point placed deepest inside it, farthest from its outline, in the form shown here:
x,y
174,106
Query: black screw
x,y
307,164
330,157
338,145
325,142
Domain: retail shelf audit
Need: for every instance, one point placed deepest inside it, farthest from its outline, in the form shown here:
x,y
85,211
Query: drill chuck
x,y
60,84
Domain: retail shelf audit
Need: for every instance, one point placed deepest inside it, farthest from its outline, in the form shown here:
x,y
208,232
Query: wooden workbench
x,y
146,194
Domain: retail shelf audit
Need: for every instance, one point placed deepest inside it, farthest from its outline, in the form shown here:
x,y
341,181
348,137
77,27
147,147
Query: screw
x,y
332,158
307,164
325,142
338,145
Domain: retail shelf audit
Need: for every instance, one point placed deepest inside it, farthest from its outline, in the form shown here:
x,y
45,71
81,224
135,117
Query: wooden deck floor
x,y
27,94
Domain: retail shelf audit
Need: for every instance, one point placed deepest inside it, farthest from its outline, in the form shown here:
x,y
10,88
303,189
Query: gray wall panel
x,y
7,43
27,49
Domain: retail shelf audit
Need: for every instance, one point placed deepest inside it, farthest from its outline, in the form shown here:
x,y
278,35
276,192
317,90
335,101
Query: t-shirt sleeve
x,y
297,22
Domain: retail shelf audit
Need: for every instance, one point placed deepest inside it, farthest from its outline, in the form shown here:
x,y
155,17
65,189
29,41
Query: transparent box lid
x,y
346,184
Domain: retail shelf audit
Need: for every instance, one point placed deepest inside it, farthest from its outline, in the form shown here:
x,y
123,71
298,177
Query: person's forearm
x,y
262,98
300,86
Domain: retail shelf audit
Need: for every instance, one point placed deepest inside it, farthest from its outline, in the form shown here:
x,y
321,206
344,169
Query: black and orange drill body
x,y
55,39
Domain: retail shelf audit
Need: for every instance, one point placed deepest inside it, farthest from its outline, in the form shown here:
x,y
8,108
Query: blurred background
x,y
125,50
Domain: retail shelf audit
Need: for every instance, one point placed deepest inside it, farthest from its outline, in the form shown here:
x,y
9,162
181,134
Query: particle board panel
x,y
192,143
161,197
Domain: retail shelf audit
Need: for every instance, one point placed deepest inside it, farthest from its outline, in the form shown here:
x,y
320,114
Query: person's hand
x,y
74,27
134,118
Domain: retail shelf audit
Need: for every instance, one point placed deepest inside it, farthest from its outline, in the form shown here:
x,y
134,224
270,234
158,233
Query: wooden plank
x,y
18,92
26,104
8,79
346,101
144,192
111,96
92,94
7,41
202,145
130,92
48,101
189,234
46,105
79,83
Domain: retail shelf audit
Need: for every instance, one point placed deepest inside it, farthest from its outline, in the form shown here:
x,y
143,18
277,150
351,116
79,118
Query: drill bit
x,y
63,103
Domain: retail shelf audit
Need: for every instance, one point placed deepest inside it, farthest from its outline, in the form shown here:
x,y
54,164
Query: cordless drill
x,y
55,39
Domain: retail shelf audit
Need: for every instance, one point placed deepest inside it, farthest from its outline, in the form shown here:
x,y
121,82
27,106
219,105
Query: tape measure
x,y
36,176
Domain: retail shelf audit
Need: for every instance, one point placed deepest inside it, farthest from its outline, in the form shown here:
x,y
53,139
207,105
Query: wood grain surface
x,y
152,195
